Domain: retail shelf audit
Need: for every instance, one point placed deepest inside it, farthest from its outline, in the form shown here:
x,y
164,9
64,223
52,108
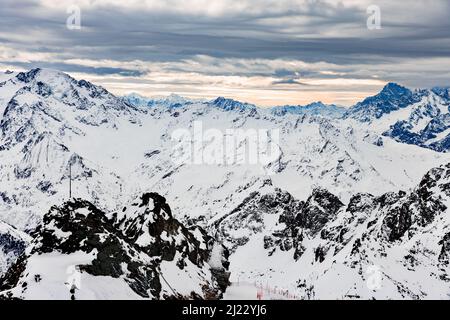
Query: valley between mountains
x,y
355,206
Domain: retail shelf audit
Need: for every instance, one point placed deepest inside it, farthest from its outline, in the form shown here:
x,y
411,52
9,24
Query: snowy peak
x,y
59,86
231,105
425,123
443,92
171,101
136,99
394,90
315,108
149,223
47,100
393,97
28,76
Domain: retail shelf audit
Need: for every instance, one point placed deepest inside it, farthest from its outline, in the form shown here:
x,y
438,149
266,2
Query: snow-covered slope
x,y
338,155
427,123
47,111
54,126
395,246
115,149
315,108
142,252
171,101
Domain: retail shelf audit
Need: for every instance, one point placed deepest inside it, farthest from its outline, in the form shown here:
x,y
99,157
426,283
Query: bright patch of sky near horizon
x,y
265,52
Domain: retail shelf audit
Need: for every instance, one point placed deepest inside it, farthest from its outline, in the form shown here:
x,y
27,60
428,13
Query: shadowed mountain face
x,y
392,98
141,252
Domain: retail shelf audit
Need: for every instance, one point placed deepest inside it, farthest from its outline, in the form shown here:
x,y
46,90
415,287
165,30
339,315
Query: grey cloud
x,y
289,81
313,32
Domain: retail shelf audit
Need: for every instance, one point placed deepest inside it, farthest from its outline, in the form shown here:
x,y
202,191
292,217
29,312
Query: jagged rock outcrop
x,y
396,245
12,245
253,215
420,207
305,217
320,208
140,252
444,256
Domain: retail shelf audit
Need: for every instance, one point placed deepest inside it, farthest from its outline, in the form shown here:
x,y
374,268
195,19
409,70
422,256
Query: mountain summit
x,y
393,97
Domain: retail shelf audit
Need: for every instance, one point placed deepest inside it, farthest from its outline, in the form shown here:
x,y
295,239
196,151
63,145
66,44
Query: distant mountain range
x,y
422,115
327,210
174,101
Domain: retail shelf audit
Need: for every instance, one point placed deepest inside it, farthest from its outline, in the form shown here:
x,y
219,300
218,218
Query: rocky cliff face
x,y
391,246
427,124
139,252
393,97
12,245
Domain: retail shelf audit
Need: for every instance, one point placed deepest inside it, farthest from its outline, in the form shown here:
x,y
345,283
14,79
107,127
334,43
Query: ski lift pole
x,y
70,179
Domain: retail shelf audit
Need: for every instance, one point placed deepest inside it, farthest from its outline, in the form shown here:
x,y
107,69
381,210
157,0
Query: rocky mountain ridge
x,y
393,246
139,252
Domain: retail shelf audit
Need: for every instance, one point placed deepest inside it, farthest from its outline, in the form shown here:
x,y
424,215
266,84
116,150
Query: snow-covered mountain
x,y
426,123
174,101
393,246
419,117
315,108
140,252
171,101
46,114
443,92
392,98
54,127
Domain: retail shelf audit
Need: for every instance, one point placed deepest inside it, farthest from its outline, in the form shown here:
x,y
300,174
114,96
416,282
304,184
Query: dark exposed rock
x,y
397,222
421,206
152,153
45,187
319,254
9,243
393,97
320,208
389,198
28,76
444,256
43,89
298,217
361,202
130,244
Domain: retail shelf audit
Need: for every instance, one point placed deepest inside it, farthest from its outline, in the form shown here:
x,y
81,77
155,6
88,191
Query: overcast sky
x,y
268,52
